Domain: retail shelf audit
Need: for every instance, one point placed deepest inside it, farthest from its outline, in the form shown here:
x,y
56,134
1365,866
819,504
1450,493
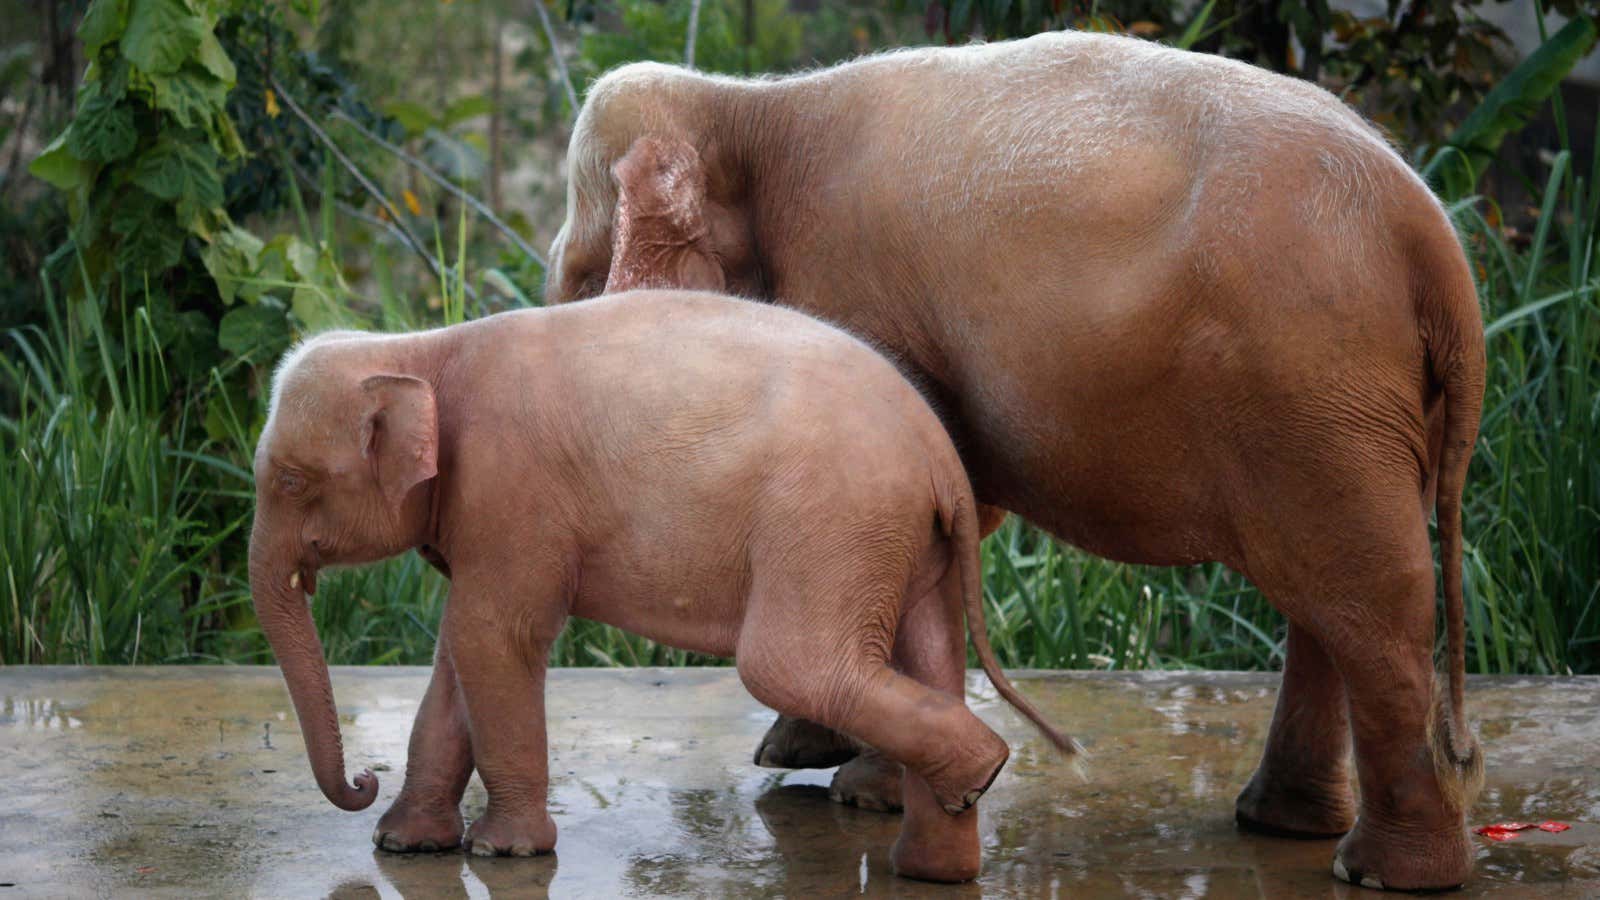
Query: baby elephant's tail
x,y
959,513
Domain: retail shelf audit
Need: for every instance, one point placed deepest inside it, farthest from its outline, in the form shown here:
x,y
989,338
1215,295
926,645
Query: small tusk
x,y
294,582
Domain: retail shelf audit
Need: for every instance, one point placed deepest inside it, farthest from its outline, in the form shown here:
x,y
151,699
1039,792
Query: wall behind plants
x,y
190,185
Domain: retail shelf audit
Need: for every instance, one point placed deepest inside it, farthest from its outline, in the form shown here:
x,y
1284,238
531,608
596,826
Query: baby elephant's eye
x,y
292,484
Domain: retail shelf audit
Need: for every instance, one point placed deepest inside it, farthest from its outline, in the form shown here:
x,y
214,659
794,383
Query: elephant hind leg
x,y
917,719
866,779
1301,788
1357,580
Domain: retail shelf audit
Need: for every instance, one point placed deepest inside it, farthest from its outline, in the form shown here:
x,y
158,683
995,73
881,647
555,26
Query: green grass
x,y
123,521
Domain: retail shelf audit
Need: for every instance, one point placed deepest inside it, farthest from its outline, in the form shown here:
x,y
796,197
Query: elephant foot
x,y
800,744
869,781
949,865
1404,862
504,835
934,845
1268,806
411,828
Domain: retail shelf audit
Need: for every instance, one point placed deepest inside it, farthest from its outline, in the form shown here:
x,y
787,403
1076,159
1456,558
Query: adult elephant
x,y
1175,309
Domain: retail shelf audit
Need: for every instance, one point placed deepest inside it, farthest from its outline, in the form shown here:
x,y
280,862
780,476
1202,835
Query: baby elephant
x,y
718,475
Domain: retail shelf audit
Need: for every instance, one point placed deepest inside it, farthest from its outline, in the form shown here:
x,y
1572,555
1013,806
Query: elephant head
x,y
655,197
342,471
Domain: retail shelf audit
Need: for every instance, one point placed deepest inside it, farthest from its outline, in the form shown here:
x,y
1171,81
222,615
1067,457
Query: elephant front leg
x,y
427,815
502,673
1302,786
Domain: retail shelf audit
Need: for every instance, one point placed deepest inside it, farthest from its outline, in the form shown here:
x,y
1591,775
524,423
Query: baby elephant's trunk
x,y
961,523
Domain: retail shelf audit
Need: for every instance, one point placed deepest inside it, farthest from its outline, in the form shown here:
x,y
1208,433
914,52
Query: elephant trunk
x,y
285,617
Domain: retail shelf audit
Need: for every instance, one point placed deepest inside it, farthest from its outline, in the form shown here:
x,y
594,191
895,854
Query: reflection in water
x,y
23,712
454,875
829,850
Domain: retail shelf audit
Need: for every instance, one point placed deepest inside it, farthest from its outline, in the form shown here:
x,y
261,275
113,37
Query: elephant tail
x,y
1453,336
958,515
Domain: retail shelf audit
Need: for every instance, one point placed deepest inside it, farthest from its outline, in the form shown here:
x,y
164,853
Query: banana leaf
x,y
1456,166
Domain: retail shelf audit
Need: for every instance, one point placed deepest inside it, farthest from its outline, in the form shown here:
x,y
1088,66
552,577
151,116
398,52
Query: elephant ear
x,y
660,236
399,434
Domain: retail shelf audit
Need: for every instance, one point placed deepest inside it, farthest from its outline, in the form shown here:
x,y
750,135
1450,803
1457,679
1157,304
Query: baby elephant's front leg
x,y
501,669
427,814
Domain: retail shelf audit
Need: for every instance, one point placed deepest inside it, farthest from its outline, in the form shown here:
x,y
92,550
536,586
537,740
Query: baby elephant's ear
x,y
399,434
660,232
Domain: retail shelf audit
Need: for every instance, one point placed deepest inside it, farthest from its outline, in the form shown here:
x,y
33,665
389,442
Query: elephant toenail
x,y
971,797
1371,881
482,848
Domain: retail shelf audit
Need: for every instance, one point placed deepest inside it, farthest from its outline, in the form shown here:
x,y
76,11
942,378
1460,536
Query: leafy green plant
x,y
1457,165
142,159
107,529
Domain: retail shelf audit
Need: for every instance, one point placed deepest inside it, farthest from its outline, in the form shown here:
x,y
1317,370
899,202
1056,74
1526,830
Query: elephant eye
x,y
292,484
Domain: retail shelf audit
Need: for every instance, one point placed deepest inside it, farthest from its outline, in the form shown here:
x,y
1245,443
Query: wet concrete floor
x,y
193,782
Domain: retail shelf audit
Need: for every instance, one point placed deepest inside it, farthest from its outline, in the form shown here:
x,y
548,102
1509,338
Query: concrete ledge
x,y
192,781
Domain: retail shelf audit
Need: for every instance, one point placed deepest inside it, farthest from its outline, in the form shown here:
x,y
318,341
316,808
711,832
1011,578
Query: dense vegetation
x,y
191,184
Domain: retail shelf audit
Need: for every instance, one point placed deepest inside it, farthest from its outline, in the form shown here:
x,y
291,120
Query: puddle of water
x,y
185,781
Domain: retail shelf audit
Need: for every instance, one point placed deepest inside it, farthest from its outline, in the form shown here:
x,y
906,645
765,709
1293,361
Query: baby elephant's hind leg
x,y
932,648
865,778
917,719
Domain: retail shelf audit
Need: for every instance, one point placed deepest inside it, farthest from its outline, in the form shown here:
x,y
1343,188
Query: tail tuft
x,y
1457,757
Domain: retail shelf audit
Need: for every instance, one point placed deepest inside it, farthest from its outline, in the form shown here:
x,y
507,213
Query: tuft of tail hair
x,y
1457,758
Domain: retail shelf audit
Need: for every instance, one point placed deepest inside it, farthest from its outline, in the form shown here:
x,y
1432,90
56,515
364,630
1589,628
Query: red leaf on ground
x,y
1554,827
1495,834
145,870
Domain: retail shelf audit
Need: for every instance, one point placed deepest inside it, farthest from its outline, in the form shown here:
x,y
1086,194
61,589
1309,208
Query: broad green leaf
x,y
103,130
258,329
272,264
1469,151
151,241
302,259
102,24
178,169
230,257
466,108
313,307
216,61
192,95
413,117
225,137
59,167
161,35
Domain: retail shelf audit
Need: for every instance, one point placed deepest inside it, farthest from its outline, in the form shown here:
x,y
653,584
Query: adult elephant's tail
x,y
1452,330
